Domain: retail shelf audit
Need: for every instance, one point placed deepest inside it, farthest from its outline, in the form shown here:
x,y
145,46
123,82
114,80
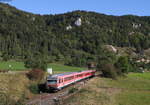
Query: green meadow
x,y
15,66
57,68
137,89
19,66
134,81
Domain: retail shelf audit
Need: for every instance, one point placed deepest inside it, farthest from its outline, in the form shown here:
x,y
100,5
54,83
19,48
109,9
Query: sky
x,y
109,7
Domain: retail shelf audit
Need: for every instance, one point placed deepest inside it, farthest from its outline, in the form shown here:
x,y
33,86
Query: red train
x,y
59,81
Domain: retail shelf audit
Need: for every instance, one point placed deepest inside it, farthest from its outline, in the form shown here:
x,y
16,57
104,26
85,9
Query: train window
x,y
69,78
87,74
80,75
65,79
52,81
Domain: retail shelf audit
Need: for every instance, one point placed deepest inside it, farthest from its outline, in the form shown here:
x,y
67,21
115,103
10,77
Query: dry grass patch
x,y
92,94
14,85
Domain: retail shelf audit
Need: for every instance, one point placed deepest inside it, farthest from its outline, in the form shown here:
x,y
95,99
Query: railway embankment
x,y
58,97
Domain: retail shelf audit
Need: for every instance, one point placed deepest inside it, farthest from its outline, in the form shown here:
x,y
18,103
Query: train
x,y
59,81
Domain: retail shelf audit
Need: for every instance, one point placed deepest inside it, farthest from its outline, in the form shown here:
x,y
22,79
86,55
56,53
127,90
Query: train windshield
x,y
52,81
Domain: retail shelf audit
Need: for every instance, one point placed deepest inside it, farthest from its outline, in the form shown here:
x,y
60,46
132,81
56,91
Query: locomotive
x,y
59,81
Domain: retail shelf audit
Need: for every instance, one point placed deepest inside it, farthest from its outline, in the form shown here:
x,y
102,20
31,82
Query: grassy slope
x,y
10,86
133,90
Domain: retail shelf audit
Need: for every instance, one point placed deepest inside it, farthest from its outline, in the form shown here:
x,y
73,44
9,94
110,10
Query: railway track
x,y
54,98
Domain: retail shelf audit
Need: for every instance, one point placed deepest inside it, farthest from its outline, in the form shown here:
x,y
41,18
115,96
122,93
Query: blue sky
x,y
110,7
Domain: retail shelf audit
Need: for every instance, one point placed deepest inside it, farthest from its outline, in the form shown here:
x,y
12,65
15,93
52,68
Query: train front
x,y
51,83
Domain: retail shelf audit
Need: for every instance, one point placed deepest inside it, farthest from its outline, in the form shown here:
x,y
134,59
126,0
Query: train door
x,y
60,82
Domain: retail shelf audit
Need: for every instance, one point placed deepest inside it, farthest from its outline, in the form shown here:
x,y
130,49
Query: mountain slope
x,y
71,37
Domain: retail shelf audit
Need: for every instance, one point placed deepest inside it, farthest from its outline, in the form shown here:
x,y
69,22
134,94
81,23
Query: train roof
x,y
64,74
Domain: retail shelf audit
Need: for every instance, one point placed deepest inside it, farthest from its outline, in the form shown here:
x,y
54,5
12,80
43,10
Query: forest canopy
x,y
73,38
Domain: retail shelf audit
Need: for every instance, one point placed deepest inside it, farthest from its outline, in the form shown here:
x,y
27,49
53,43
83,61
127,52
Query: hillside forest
x,y
73,38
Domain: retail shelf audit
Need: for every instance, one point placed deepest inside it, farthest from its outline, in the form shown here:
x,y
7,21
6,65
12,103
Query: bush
x,y
35,74
123,64
72,90
83,90
105,57
109,71
106,60
34,88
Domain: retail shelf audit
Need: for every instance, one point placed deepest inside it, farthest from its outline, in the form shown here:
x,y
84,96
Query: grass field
x,y
132,90
138,90
14,65
132,81
57,68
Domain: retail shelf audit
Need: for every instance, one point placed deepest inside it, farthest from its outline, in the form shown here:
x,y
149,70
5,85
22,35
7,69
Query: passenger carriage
x,y
59,81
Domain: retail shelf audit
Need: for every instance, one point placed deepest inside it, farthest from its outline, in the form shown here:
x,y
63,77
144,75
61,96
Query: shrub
x,y
105,57
123,64
35,74
105,64
83,90
34,88
109,71
72,90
